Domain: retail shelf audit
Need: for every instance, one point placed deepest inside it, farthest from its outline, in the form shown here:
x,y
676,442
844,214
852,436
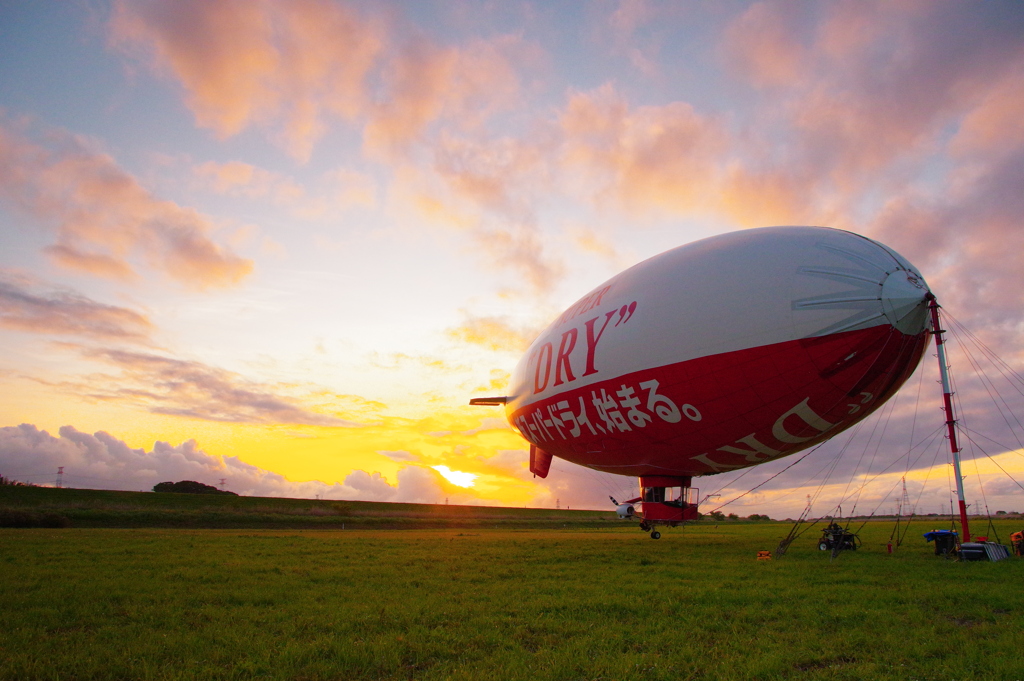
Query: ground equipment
x,y
837,538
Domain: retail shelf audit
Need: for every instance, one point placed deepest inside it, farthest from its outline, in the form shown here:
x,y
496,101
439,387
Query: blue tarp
x,y
935,534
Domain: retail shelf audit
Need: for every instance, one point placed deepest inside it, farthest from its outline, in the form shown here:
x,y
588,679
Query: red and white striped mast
x,y
947,399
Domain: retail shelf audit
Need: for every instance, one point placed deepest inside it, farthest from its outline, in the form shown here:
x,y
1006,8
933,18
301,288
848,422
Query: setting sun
x,y
458,478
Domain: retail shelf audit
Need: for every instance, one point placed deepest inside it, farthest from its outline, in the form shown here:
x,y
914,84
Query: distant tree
x,y
732,516
1000,512
189,487
12,483
757,516
716,515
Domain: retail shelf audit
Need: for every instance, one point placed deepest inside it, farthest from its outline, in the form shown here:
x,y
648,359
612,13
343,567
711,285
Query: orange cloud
x,y
590,242
996,123
779,196
426,82
869,90
98,264
418,82
220,51
493,333
228,177
293,66
666,156
765,44
242,179
103,215
256,61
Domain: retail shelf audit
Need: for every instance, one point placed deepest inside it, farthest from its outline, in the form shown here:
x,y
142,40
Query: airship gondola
x,y
720,354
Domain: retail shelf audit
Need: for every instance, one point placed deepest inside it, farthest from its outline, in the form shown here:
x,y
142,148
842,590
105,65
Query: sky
x,y
282,244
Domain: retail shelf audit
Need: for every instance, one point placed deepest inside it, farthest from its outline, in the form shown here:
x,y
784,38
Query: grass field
x,y
444,604
105,508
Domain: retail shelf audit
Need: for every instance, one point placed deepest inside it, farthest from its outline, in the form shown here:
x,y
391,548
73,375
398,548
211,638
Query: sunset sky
x,y
283,243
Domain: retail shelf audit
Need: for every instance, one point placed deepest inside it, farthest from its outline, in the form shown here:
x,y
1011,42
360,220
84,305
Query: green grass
x,y
611,604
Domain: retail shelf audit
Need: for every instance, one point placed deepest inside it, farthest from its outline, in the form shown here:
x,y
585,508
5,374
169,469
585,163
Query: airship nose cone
x,y
905,301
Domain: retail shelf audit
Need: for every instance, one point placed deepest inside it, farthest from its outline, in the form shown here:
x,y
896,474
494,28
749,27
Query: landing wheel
x,y
823,546
655,535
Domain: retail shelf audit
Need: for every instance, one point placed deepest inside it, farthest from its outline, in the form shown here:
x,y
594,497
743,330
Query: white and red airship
x,y
717,355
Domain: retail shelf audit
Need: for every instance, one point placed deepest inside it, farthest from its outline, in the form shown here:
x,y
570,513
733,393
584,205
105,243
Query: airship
x,y
720,354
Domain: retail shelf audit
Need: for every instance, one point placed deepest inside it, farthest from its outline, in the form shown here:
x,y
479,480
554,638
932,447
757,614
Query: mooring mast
x,y
947,399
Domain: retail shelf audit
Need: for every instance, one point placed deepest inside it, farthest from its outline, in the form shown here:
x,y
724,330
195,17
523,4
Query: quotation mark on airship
x,y
625,312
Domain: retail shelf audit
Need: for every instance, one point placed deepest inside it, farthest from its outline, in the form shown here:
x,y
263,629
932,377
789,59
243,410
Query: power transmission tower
x,y
222,482
905,500
60,476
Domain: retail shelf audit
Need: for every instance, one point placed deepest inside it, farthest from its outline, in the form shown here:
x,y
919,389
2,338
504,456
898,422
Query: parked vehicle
x,y
834,537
